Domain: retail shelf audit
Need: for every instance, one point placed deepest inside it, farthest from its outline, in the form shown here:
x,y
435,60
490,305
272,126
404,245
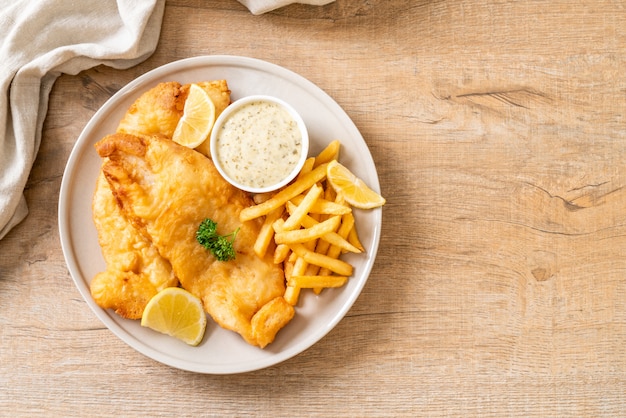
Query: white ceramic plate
x,y
221,352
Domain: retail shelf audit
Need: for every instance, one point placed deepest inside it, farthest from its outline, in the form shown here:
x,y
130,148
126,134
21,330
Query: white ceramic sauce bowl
x,y
259,143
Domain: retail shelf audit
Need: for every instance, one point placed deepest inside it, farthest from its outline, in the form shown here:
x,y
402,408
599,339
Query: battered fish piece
x,y
135,270
166,190
158,110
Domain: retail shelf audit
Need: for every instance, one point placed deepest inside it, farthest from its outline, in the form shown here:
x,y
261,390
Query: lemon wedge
x,y
198,118
176,312
353,189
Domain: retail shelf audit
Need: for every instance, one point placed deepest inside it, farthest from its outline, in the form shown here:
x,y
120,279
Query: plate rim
x,y
80,281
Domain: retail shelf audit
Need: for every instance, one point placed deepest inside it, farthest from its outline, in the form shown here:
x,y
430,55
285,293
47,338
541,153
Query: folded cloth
x,y
261,6
40,40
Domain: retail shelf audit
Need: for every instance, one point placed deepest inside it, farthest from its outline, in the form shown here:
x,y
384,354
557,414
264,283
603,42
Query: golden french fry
x,y
307,167
292,293
312,269
353,238
281,252
337,240
293,221
331,152
299,267
317,230
347,223
267,232
280,198
278,225
310,282
333,264
323,206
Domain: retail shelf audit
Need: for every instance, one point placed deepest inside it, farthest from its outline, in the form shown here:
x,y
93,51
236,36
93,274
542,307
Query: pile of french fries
x,y
308,226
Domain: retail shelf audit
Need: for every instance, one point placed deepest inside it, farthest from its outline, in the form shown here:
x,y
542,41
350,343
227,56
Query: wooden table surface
x,y
498,129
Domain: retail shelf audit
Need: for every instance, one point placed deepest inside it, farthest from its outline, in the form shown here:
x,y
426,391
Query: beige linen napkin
x,y
262,6
41,39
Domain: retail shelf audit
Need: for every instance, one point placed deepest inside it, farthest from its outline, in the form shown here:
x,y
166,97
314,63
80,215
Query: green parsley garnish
x,y
221,246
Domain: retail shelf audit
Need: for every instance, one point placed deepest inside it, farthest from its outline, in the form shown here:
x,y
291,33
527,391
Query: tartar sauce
x,y
259,145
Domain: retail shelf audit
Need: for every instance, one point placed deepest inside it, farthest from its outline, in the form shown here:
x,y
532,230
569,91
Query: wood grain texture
x,y
498,129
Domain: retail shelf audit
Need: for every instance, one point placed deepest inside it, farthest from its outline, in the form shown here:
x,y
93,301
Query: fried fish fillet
x,y
166,190
158,110
135,270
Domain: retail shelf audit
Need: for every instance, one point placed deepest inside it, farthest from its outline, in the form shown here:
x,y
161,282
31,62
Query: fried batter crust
x,y
166,190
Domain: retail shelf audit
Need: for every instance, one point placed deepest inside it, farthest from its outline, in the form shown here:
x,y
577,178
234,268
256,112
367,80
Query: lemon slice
x,y
198,118
176,312
353,189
